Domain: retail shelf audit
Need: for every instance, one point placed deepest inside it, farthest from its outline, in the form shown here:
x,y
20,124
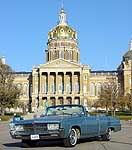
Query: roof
x,y
128,55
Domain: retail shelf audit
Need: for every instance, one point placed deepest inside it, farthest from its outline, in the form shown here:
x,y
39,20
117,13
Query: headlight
x,y
19,128
12,126
53,126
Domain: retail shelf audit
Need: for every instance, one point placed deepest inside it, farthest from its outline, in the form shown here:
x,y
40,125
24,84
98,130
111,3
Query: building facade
x,y
63,79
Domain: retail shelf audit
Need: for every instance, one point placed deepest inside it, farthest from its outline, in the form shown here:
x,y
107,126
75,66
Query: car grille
x,y
38,128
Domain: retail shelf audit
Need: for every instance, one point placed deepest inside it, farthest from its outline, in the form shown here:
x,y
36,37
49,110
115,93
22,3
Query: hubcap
x,y
73,137
109,134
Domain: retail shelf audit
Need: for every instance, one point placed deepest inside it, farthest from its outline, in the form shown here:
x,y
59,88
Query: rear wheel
x,y
107,136
72,138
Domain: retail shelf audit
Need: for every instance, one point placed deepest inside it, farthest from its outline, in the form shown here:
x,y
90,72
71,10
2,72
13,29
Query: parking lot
x,y
120,141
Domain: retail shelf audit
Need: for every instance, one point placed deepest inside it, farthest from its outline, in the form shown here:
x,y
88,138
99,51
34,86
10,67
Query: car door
x,y
92,123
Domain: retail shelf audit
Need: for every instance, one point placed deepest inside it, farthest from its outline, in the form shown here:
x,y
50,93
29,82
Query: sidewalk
x,y
126,124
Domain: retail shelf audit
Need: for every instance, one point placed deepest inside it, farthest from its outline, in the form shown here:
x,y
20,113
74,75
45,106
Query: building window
x,y
68,88
92,89
19,86
69,101
98,89
77,101
52,88
76,87
69,55
45,88
53,102
60,88
61,100
62,54
25,90
56,56
85,89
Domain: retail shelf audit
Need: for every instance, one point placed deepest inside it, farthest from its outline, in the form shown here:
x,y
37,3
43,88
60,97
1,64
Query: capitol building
x,y
63,79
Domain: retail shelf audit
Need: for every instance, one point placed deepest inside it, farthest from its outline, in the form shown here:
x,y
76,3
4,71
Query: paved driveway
x,y
120,141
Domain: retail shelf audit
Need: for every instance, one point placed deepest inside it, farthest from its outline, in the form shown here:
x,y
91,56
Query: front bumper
x,y
58,134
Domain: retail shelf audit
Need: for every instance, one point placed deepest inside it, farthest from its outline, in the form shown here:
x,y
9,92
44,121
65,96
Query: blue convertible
x,y
66,122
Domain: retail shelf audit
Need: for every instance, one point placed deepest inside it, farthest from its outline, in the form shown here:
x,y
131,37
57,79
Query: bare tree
x,y
105,97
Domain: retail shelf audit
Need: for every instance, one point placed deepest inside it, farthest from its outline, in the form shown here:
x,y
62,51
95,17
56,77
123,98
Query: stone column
x,y
57,83
64,82
40,89
81,83
40,83
48,82
73,90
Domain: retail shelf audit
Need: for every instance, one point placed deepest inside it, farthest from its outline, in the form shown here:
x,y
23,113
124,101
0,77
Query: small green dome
x,y
127,55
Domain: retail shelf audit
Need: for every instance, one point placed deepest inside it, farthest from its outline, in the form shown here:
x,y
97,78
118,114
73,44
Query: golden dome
x,y
62,30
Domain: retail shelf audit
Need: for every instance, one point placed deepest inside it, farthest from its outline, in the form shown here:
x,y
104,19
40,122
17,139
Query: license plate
x,y
34,137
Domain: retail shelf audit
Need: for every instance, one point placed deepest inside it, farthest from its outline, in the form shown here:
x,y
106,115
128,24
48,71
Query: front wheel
x,y
72,139
107,136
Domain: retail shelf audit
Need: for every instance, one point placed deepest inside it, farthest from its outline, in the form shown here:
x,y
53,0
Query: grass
x,y
122,115
5,118
8,116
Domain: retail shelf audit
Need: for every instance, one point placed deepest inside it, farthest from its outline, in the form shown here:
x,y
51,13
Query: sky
x,y
104,29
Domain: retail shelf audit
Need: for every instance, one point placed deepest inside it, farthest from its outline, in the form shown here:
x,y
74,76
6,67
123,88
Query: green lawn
x,y
121,115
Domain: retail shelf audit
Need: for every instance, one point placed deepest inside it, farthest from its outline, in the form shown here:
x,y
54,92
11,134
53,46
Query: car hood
x,y
45,119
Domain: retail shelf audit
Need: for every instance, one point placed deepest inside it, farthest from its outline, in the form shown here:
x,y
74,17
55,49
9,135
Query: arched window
x,y
56,56
76,87
52,88
61,100
25,90
77,100
60,88
53,101
45,88
69,55
68,88
19,86
62,54
92,89
98,89
69,100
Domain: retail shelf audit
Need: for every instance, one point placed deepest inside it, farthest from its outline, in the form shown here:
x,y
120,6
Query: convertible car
x,y
66,122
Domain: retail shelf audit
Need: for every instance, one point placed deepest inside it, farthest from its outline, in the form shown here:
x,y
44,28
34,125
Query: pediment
x,y
60,63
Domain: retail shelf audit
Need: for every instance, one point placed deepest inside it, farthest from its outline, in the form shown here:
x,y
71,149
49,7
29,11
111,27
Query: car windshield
x,y
64,110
